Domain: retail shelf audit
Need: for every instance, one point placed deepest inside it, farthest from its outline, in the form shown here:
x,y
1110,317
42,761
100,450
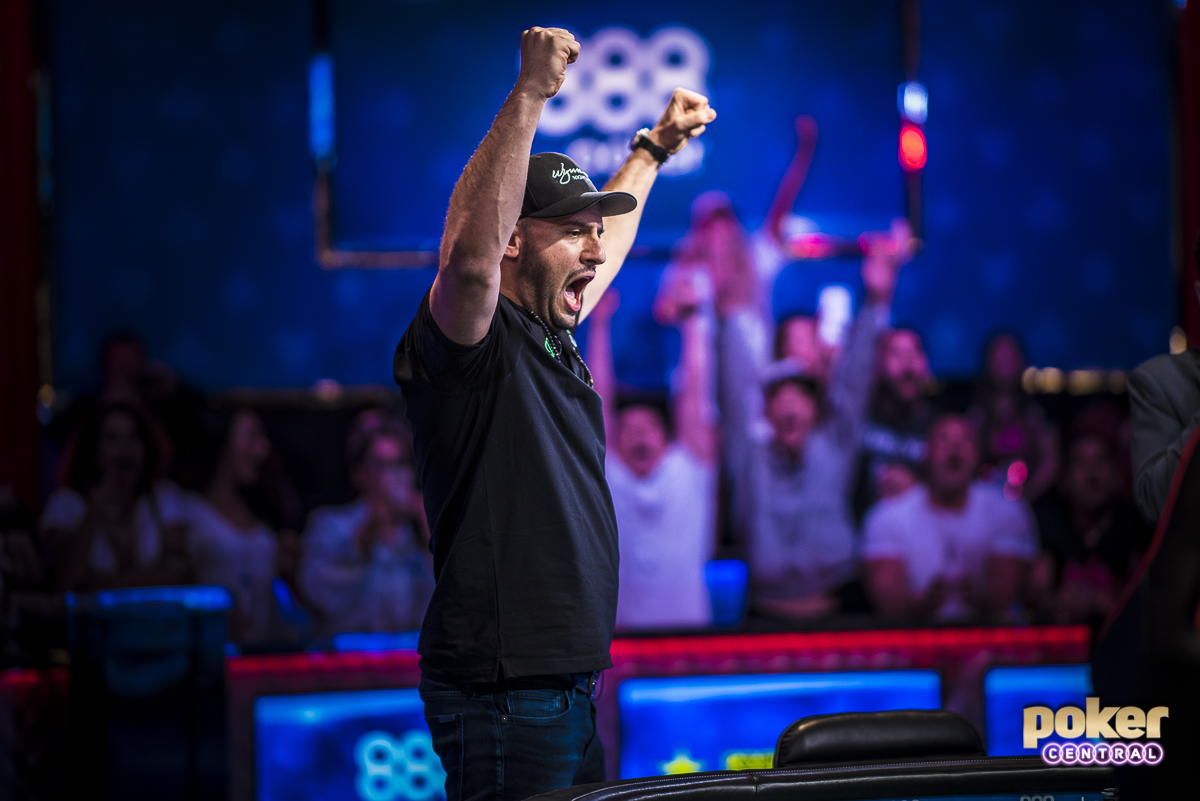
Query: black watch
x,y
642,139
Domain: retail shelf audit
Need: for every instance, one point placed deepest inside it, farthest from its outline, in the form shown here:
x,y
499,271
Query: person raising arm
x,y
508,437
663,483
481,223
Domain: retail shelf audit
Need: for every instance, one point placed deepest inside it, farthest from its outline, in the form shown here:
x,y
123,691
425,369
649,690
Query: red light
x,y
912,148
812,246
732,646
395,663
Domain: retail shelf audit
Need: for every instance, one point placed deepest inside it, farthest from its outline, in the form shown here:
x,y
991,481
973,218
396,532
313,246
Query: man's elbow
x,y
462,256
468,272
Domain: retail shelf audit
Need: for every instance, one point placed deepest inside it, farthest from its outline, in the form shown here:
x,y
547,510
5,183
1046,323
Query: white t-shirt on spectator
x,y
935,542
388,590
666,526
240,560
66,509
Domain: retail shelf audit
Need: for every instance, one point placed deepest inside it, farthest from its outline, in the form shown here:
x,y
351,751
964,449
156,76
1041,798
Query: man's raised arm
x,y
487,199
685,118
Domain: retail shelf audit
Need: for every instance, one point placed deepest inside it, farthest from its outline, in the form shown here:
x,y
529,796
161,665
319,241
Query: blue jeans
x,y
507,746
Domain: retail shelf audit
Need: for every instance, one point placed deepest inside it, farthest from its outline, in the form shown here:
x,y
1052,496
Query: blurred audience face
x,y
721,237
800,341
792,413
716,242
953,455
1090,476
246,449
903,367
1005,362
386,475
121,454
642,440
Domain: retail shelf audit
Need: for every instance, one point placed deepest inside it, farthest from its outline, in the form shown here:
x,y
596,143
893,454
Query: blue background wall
x,y
183,181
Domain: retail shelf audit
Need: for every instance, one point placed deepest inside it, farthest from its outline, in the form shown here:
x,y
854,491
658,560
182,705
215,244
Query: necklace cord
x,y
555,345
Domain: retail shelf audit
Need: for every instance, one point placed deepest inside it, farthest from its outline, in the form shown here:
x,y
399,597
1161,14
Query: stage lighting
x,y
320,106
913,102
912,148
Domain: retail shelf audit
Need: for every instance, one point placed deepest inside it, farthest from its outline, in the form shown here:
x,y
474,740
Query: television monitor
x,y
375,641
370,745
696,723
1008,690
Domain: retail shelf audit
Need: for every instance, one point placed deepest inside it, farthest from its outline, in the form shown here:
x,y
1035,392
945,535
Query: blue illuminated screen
x,y
375,641
1008,690
699,723
370,745
199,598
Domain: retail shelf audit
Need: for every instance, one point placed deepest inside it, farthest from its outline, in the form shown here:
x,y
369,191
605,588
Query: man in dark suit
x,y
1164,399
1150,654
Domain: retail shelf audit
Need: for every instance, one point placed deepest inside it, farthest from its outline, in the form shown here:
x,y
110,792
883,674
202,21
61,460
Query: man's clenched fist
x,y
685,118
545,54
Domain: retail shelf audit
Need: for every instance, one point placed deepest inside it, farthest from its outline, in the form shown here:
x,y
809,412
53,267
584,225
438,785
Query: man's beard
x,y
544,291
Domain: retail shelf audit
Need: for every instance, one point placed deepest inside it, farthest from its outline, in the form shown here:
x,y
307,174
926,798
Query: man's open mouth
x,y
573,293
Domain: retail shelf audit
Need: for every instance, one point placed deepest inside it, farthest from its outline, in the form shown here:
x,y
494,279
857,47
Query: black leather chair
x,y
912,753
863,736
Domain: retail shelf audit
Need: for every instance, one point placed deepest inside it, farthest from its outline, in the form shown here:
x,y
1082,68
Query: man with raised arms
x,y
509,441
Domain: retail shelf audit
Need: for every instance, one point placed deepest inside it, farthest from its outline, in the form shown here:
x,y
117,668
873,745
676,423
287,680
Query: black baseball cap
x,y
556,187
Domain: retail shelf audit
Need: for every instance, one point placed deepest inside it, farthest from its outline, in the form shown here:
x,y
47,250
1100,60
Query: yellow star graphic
x,y
682,763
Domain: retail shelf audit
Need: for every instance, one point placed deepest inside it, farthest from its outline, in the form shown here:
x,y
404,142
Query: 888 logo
x,y
398,770
620,83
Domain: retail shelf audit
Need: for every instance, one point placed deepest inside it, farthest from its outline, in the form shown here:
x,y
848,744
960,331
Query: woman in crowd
x,y
231,540
1020,446
115,523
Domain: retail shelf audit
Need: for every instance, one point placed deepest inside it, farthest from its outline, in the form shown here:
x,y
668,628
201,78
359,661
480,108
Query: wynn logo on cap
x,y
552,191
566,174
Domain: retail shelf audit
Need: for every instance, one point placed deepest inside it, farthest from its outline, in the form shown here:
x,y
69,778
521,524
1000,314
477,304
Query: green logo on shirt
x,y
549,348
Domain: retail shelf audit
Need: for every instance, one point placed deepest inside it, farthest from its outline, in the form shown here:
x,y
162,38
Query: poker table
x,y
727,695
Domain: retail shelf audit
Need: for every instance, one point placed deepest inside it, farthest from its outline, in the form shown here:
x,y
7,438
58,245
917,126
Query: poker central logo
x,y
620,83
1098,725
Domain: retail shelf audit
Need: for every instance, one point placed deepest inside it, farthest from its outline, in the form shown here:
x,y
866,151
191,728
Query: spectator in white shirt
x,y
663,489
366,565
116,523
953,547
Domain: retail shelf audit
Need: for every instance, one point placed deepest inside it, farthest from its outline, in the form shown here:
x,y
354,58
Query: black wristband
x,y
642,139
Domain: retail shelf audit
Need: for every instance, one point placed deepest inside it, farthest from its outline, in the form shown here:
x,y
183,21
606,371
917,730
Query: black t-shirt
x,y
509,445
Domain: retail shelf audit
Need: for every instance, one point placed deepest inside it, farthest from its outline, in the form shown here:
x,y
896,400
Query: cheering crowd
x,y
819,454
849,486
